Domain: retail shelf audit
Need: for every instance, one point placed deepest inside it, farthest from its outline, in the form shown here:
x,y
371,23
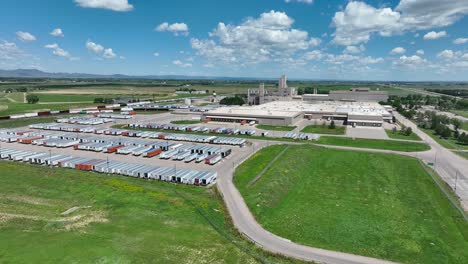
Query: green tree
x,y
32,99
236,100
408,131
332,125
456,123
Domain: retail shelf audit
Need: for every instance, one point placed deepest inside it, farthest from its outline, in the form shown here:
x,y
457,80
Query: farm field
x,y
276,128
378,205
59,215
398,135
373,143
324,129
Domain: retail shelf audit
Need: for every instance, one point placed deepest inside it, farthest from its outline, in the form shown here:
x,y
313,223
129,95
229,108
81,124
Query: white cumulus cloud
x,y
181,64
115,5
446,54
435,35
398,50
264,38
359,21
57,32
460,41
25,36
420,52
100,50
58,51
354,49
176,28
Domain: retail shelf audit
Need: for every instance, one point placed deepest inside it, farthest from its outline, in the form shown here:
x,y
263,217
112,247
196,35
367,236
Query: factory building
x,y
289,113
353,95
261,95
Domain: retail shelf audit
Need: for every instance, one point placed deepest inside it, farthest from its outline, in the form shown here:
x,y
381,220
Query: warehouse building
x,y
353,95
289,113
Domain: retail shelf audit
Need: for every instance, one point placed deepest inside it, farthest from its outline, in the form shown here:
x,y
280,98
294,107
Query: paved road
x,y
452,168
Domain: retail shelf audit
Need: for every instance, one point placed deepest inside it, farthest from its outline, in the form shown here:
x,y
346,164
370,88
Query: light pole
x,y
456,180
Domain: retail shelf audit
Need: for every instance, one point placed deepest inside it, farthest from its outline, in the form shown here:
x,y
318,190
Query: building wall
x,y
372,96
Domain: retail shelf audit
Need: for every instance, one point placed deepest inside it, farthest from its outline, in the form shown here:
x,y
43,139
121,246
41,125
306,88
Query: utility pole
x,y
50,158
456,180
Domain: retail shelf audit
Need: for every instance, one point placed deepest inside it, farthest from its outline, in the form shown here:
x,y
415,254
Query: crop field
x,y
324,129
377,205
67,216
373,143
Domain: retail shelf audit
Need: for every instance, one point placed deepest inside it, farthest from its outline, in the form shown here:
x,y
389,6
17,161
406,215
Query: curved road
x,y
446,164
246,224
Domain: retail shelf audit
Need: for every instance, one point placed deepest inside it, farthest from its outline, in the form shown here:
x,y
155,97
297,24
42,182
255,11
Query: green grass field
x,y
398,135
67,216
276,128
18,97
28,121
449,143
373,143
465,126
461,113
50,98
21,108
319,129
185,122
378,205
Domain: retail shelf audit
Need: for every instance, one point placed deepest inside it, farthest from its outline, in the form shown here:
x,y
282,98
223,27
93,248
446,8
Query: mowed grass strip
x,y
399,135
373,143
276,128
118,220
377,205
12,123
320,129
185,122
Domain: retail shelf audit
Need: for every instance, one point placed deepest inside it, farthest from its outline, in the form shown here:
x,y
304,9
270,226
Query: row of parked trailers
x,y
142,134
303,136
165,150
194,128
169,174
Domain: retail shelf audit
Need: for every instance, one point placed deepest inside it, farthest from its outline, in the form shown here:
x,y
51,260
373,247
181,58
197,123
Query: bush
x,y
332,125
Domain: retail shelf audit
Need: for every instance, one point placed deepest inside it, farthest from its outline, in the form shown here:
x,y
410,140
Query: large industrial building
x,y
261,95
356,107
285,93
288,113
353,95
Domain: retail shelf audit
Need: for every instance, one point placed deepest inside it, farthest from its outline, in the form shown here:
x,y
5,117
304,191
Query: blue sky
x,y
340,39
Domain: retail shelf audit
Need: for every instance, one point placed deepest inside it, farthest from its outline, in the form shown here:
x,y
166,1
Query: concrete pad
x,y
366,132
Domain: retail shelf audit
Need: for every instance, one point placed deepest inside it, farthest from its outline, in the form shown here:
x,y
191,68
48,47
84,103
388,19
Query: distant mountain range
x,y
33,73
